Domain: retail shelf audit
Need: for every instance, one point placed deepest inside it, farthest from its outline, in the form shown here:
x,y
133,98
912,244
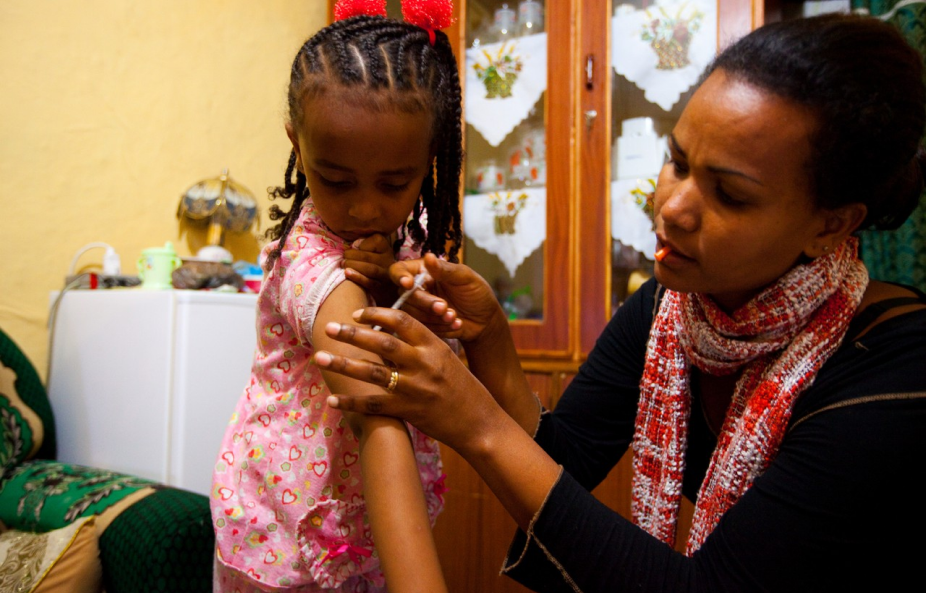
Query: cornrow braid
x,y
395,57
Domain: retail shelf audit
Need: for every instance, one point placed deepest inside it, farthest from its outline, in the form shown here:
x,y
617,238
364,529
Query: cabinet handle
x,y
590,116
590,71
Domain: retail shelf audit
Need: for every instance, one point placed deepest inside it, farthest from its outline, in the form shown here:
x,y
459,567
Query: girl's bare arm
x,y
391,482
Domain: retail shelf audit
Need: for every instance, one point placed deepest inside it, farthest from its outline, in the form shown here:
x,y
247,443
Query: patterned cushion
x,y
65,560
26,421
153,538
42,495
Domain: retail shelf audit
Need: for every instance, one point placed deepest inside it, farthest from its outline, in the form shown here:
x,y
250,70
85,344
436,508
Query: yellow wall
x,y
110,109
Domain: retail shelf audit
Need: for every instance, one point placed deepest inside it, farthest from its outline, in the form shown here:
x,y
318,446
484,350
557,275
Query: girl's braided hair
x,y
393,65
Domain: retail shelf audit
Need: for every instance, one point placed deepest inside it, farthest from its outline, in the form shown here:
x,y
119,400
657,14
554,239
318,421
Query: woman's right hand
x,y
460,304
433,389
457,303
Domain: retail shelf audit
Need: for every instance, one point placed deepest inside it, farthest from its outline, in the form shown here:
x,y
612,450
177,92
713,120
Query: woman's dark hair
x,y
389,65
864,84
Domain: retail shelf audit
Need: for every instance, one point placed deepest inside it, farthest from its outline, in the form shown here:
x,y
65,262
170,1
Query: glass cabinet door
x,y
504,211
516,181
641,68
658,52
515,68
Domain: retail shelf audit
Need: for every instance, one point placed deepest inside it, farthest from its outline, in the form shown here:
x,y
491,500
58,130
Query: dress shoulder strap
x,y
875,310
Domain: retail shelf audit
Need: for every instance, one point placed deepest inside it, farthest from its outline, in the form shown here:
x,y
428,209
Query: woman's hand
x,y
460,304
457,303
436,393
434,390
367,263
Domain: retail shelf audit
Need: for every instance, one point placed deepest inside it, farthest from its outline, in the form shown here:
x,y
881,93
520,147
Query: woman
x,y
764,376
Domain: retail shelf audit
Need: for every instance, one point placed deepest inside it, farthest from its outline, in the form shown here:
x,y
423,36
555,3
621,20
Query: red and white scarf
x,y
780,339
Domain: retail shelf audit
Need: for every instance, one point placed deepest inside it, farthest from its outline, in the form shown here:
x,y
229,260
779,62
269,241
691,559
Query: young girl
x,y
374,119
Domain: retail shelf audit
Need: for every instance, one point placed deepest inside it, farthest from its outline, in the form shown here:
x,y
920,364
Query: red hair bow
x,y
344,9
430,15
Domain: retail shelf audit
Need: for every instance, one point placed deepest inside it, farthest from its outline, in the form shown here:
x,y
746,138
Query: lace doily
x,y
503,82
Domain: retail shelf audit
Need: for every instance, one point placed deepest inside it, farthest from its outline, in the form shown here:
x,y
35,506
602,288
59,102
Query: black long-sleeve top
x,y
841,507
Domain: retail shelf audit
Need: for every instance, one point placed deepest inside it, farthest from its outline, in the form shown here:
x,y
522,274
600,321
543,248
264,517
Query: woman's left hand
x,y
367,263
434,391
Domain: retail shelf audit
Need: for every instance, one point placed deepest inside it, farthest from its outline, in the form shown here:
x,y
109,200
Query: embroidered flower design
x,y
644,198
500,72
506,208
670,36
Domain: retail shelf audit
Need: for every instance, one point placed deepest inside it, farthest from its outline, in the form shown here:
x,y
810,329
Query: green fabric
x,y
43,495
18,438
900,255
164,542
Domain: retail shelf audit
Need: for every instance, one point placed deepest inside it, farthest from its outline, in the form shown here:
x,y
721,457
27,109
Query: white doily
x,y
635,59
529,225
629,224
495,118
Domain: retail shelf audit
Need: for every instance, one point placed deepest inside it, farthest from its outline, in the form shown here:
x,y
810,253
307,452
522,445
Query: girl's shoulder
x,y
309,242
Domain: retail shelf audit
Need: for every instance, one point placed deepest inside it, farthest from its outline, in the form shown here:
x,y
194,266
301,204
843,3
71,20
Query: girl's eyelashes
x,y
336,184
348,183
395,187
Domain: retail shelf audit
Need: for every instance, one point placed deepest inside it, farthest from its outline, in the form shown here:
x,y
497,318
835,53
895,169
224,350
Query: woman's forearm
x,y
514,467
494,360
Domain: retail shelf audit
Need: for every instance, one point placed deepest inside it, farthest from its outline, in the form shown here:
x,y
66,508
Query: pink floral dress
x,y
286,499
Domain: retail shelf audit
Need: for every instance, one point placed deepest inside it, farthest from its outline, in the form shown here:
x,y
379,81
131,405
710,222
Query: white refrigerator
x,y
144,382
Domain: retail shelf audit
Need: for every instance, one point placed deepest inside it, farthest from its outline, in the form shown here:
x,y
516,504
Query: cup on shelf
x,y
528,166
490,177
156,265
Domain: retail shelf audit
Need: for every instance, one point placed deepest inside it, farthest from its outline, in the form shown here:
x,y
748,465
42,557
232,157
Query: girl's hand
x,y
367,263
456,303
434,390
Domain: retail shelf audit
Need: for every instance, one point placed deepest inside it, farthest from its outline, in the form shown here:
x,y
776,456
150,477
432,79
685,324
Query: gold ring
x,y
393,381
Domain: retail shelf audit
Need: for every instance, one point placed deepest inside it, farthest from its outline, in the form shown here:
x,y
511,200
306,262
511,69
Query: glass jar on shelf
x,y
527,162
505,24
530,17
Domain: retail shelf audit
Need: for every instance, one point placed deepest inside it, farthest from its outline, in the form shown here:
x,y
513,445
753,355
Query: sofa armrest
x,y
151,537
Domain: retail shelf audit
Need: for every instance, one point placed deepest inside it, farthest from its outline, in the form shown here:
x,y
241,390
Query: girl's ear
x,y
838,224
294,138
